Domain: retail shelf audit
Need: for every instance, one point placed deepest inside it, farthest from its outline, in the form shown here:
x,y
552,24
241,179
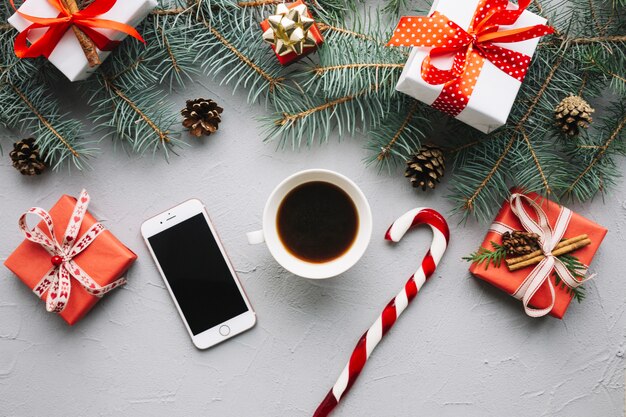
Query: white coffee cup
x,y
305,269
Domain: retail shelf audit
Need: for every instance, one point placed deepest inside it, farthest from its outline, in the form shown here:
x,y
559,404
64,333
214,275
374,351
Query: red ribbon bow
x,y
86,19
469,48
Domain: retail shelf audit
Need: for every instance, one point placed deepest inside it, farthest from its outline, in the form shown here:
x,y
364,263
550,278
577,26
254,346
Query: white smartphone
x,y
198,274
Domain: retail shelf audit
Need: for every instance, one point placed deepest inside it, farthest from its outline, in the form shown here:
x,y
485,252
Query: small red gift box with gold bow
x,y
538,252
291,32
69,259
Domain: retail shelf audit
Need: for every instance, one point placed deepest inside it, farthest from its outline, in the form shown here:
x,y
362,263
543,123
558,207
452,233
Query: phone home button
x,y
224,330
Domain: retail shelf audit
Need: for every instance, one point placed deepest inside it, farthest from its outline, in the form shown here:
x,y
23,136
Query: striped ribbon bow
x,y
57,280
469,48
549,238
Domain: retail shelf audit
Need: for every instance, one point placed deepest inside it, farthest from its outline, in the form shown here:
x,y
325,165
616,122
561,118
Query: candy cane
x,y
392,311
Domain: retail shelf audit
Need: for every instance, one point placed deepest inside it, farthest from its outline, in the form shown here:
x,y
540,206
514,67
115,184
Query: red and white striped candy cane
x,y
392,311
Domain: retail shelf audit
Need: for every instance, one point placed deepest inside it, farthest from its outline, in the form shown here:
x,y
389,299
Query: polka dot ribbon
x,y
469,48
57,280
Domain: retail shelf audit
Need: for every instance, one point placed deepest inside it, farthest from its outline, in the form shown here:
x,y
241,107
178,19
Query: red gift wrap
x,y
509,281
105,260
292,56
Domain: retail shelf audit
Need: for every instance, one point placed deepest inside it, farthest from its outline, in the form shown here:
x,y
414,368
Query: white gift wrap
x,y
495,91
68,56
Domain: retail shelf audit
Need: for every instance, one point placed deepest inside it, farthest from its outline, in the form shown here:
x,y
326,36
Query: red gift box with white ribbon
x,y
69,259
545,287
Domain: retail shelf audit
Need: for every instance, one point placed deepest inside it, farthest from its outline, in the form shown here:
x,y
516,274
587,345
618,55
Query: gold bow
x,y
289,30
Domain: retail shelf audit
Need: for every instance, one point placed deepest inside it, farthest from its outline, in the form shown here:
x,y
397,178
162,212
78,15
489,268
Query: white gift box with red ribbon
x,y
68,55
494,93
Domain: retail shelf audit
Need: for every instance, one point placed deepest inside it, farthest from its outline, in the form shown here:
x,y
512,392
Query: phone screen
x,y
198,274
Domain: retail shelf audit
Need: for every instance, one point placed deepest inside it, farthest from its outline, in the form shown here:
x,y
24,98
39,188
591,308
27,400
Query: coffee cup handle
x,y
254,238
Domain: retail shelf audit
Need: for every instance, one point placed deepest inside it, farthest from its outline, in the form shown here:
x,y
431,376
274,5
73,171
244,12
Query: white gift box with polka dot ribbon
x,y
495,91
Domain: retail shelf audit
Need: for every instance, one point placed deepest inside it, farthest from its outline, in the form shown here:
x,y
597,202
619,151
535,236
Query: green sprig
x,y
494,257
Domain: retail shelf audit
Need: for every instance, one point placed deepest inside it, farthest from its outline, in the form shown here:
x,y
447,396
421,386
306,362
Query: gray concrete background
x,y
462,349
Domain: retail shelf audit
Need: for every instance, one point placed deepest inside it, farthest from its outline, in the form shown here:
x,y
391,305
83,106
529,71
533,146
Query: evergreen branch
x,y
540,92
386,150
469,203
307,117
129,68
162,135
170,12
488,257
616,76
288,118
325,27
44,121
272,81
601,153
259,3
594,17
597,39
463,147
533,154
321,70
170,52
400,133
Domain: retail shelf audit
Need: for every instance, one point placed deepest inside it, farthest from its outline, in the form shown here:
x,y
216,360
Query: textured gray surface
x,y
462,349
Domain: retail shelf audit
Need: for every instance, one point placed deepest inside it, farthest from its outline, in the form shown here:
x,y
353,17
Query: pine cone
x,y
26,158
572,113
201,116
426,167
520,243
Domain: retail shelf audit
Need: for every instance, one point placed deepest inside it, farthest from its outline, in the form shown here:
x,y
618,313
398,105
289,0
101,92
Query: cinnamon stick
x,y
536,253
557,252
89,47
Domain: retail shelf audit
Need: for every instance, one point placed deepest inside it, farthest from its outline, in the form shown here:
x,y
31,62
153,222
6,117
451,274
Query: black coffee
x,y
317,222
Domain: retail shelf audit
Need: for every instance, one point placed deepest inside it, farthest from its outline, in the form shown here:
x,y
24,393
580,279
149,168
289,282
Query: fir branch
x,y
488,257
597,39
291,118
272,81
259,3
325,27
600,154
399,134
393,7
163,136
577,269
134,116
308,118
386,150
546,186
44,121
378,65
470,203
169,12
